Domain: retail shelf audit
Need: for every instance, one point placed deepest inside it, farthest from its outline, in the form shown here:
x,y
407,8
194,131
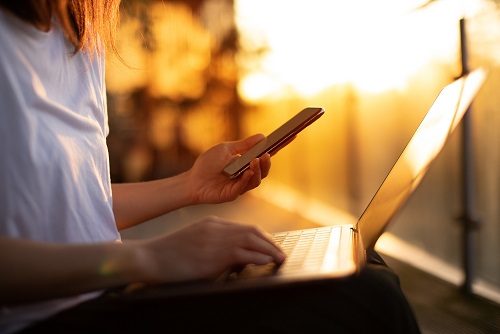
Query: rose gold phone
x,y
275,141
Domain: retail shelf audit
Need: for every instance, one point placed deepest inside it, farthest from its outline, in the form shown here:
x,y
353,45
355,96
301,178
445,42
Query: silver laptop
x,y
338,251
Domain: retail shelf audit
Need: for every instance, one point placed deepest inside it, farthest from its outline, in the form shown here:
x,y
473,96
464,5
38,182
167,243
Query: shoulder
x,y
14,29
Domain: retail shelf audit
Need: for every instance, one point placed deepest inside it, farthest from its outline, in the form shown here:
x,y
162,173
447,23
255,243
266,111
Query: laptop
x,y
338,251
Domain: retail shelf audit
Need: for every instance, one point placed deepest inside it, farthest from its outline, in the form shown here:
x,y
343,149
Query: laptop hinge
x,y
360,252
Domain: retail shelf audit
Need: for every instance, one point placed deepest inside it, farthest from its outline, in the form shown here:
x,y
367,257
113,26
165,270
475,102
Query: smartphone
x,y
275,141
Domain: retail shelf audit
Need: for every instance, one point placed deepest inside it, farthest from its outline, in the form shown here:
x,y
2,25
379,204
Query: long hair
x,y
90,25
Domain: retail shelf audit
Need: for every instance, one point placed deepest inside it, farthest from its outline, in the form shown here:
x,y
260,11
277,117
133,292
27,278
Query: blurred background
x,y
201,72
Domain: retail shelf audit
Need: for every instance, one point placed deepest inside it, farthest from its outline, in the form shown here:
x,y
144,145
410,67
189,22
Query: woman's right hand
x,y
206,249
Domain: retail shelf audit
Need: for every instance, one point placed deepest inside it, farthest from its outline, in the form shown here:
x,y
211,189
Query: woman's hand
x,y
206,249
208,184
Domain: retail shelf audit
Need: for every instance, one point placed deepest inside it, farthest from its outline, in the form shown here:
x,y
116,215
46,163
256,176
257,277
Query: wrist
x,y
190,193
137,263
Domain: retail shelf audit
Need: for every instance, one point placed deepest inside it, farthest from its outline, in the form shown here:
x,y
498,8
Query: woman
x,y
60,246
56,180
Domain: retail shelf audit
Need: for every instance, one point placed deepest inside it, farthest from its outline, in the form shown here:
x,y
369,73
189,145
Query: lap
x,y
359,304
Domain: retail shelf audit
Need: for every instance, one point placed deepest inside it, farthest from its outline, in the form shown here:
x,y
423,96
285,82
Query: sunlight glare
x,y
314,44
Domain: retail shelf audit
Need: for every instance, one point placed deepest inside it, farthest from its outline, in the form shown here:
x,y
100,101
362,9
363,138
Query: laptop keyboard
x,y
305,250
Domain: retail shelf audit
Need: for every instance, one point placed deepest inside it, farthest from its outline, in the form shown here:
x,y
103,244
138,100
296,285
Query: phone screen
x,y
275,141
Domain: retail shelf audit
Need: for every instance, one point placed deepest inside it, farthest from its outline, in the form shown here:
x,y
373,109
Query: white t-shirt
x,y
54,170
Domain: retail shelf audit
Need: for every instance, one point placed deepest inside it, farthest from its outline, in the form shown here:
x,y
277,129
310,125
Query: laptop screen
x,y
424,146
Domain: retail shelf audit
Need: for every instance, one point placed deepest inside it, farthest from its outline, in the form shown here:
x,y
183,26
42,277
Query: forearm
x,y
204,183
33,271
134,203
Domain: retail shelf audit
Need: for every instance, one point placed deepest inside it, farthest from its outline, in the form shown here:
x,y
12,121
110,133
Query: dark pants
x,y
369,302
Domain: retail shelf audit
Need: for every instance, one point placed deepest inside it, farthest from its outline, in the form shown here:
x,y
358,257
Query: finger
x,y
244,145
254,175
257,175
265,165
240,227
253,239
242,183
267,247
245,256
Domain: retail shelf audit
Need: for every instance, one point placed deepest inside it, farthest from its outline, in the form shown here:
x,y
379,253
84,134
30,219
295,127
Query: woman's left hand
x,y
206,181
